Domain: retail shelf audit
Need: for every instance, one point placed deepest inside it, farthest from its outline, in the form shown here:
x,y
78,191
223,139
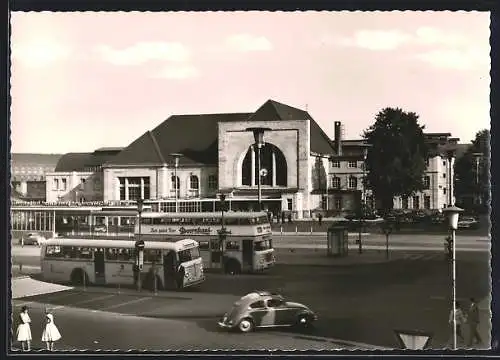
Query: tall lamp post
x,y
477,196
453,213
222,232
449,155
258,134
139,247
362,202
176,157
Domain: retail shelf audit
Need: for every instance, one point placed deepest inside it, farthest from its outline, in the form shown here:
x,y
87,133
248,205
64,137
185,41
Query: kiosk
x,y
337,239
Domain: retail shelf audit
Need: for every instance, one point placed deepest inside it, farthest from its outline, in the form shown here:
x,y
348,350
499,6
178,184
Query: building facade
x,y
187,161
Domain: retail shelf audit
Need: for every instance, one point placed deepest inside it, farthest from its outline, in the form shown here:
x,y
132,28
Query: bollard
x,y
296,229
22,241
311,230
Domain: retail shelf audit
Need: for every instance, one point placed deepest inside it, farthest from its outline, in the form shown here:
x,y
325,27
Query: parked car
x,y
100,228
265,309
32,239
468,222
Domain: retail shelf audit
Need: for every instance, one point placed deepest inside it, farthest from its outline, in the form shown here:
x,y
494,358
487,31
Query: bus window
x,y
152,256
204,244
112,254
53,251
232,245
125,254
146,221
189,254
85,253
262,245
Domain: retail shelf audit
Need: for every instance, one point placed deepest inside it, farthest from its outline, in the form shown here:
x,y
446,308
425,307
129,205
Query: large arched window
x,y
194,183
173,182
273,167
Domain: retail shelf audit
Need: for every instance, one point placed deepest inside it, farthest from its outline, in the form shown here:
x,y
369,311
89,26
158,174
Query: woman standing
x,y
24,329
50,334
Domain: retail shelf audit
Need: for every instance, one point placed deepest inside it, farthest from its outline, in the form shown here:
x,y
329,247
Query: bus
x,y
111,262
248,237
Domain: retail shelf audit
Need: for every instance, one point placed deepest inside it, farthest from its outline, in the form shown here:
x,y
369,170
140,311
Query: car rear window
x,y
257,305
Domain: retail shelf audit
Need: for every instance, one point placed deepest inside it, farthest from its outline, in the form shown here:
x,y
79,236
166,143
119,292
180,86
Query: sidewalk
x,y
319,257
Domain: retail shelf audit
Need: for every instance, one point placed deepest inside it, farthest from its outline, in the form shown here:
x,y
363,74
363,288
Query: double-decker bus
x,y
247,246
104,262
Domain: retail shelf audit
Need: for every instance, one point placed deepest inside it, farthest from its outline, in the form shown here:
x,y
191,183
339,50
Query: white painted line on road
x,y
123,304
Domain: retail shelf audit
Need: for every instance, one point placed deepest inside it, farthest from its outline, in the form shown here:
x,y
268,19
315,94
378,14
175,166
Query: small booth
x,y
337,239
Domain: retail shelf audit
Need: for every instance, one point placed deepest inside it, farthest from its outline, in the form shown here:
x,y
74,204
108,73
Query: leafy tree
x,y
396,160
472,181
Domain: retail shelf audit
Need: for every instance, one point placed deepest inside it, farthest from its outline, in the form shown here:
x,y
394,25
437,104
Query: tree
x,y
396,160
472,181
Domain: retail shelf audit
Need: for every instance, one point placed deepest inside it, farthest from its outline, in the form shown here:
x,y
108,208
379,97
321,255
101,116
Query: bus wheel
x,y
79,277
232,267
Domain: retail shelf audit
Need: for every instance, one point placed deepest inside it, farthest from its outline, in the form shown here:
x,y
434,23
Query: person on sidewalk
x,y
51,333
24,329
473,321
460,319
320,219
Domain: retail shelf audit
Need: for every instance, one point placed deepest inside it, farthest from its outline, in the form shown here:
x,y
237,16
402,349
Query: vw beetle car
x,y
261,309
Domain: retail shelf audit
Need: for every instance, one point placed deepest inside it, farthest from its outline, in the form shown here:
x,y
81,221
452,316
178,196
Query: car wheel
x,y
304,321
245,325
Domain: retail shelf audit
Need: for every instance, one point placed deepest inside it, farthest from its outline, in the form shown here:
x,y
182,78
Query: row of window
x,y
416,202
352,182
205,221
31,170
350,164
61,184
235,245
194,182
110,254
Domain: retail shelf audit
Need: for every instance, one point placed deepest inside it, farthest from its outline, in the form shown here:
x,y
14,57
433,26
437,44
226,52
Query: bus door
x,y
247,253
99,267
169,269
215,253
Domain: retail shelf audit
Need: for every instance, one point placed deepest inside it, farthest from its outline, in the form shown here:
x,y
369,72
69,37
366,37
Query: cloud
x,y
431,36
40,53
143,52
178,72
246,42
456,59
376,39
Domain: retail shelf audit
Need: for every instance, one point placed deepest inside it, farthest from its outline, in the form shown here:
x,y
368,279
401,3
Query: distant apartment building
x,y
28,174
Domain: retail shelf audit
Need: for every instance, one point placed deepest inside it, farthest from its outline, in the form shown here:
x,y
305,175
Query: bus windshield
x,y
262,245
189,254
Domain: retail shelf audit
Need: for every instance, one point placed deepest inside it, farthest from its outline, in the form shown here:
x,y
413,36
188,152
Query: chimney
x,y
338,137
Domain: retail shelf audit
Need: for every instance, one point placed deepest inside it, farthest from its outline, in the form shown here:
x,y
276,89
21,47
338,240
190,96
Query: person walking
x,y
460,318
473,321
51,333
320,219
24,329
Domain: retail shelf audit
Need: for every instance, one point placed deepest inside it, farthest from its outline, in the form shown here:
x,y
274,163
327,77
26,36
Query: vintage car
x,y
468,222
32,239
262,309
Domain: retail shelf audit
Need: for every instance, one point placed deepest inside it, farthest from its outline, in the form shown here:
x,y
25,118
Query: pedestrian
x,y
51,333
320,219
460,320
290,217
473,321
24,329
282,217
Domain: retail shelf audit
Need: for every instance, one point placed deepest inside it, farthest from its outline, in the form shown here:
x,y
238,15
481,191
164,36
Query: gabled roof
x,y
20,159
195,136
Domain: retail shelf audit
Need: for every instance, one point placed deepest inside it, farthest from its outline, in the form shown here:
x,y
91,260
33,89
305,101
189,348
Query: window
x,y
194,182
56,184
151,256
64,185
352,164
289,204
444,175
444,163
97,184
53,251
173,183
274,302
232,245
444,191
427,202
257,305
203,244
189,254
336,182
427,182
353,182
262,245
212,182
146,189
404,202
427,162
338,203
416,202
336,164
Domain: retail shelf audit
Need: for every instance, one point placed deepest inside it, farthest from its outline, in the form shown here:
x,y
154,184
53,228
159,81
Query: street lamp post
x,y
387,229
453,213
222,232
176,157
258,134
362,202
449,154
477,196
139,247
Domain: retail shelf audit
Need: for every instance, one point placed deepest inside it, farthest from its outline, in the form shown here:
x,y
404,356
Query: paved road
x,y
364,303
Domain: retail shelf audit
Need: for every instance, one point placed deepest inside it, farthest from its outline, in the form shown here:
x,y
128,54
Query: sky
x,y
80,81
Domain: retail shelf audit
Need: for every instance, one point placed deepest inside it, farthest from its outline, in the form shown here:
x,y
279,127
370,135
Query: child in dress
x,y
50,334
24,329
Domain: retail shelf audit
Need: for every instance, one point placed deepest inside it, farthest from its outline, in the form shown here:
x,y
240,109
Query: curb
x,y
355,344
